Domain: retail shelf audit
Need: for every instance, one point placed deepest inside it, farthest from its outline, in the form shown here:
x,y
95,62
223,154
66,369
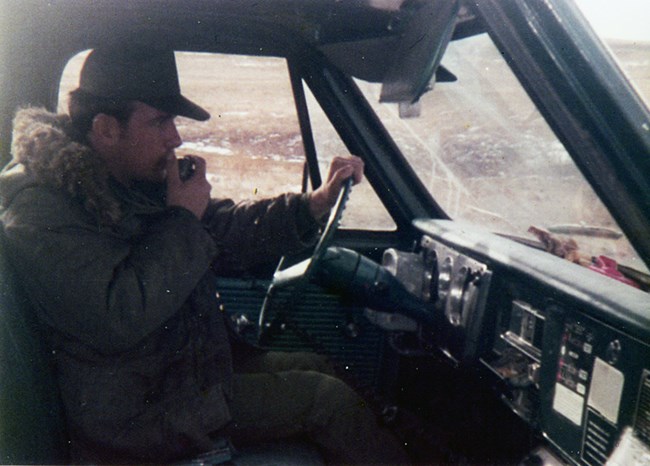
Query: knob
x,y
613,352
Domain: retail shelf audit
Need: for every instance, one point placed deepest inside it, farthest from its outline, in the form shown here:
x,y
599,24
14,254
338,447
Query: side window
x,y
252,143
70,80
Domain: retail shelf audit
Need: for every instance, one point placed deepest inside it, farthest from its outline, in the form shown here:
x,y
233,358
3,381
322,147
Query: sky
x,y
619,19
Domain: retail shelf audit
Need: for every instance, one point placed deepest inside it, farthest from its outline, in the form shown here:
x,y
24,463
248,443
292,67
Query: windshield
x,y
488,157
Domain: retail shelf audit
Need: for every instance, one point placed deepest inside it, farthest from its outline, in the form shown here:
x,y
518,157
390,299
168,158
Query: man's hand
x,y
341,168
194,193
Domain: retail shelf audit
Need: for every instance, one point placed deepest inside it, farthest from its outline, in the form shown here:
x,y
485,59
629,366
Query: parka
x,y
124,289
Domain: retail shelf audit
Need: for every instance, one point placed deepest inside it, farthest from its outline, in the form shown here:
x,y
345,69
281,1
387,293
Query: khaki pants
x,y
287,395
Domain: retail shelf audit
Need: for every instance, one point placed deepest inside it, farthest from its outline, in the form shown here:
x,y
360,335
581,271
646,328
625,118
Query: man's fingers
x,y
200,164
173,175
193,193
343,174
173,178
342,168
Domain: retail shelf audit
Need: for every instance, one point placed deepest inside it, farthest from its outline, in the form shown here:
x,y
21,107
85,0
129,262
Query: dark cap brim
x,y
179,105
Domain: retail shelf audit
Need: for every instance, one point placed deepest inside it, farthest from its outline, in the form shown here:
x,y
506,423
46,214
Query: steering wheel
x,y
300,273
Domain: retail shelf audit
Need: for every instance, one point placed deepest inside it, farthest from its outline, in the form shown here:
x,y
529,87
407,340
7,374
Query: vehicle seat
x,y
32,426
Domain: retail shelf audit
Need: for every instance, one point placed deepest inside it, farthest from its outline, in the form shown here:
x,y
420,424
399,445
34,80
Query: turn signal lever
x,y
364,280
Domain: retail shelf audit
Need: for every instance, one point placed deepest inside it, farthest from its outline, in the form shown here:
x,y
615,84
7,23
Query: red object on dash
x,y
608,266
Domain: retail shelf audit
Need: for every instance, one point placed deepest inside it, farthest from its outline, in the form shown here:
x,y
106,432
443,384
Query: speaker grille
x,y
340,330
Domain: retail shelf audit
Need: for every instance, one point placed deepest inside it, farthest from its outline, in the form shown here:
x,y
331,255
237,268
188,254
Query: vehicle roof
x,y
365,38
361,34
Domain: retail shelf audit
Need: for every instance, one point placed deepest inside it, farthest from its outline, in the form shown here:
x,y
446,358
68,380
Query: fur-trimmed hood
x,y
45,152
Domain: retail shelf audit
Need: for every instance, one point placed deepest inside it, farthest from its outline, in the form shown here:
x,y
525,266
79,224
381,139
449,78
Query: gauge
x,y
454,307
444,279
408,268
430,288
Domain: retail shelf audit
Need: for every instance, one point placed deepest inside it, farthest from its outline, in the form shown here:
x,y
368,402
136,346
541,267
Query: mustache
x,y
162,163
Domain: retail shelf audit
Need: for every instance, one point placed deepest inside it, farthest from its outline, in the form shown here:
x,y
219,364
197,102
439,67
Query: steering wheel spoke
x,y
299,274
291,275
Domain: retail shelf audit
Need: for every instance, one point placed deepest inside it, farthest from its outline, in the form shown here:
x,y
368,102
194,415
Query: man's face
x,y
145,144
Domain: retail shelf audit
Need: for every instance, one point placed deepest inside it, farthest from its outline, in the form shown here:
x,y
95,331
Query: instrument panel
x,y
567,349
594,387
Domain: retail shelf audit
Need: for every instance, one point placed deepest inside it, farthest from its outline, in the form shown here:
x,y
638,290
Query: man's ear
x,y
105,131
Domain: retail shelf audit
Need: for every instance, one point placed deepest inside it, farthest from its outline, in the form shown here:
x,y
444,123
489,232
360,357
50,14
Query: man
x,y
117,252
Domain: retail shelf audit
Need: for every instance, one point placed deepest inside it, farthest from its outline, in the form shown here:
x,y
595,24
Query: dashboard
x,y
568,350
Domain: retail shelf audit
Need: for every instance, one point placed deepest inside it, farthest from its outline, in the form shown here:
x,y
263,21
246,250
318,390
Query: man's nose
x,y
174,139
